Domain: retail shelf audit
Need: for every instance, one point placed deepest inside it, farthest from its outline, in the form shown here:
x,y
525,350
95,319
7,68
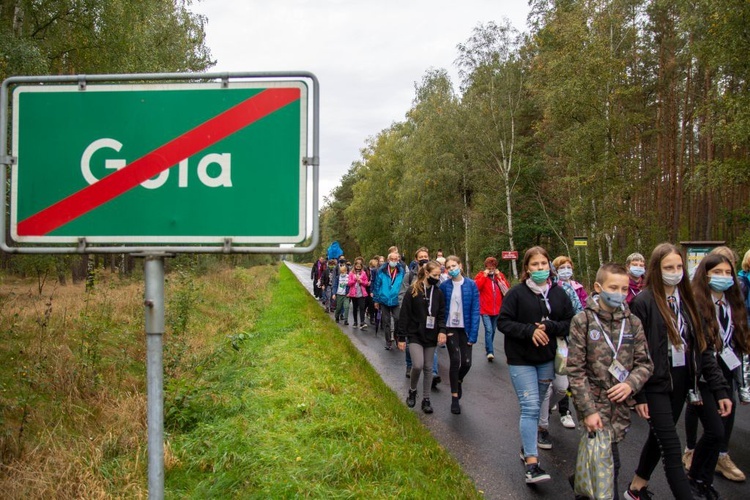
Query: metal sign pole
x,y
154,311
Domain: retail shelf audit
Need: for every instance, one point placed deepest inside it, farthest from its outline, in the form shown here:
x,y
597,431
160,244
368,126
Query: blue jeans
x,y
530,383
490,325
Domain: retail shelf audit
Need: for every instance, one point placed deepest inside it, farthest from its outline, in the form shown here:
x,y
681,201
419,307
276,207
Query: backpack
x,y
335,251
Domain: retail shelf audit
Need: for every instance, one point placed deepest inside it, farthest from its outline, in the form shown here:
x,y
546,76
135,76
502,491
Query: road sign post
x,y
158,169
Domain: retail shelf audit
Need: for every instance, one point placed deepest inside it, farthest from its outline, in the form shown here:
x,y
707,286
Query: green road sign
x,y
160,163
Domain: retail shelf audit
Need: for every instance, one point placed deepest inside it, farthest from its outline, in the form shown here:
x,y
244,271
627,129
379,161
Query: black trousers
x,y
664,411
459,352
691,417
358,304
706,453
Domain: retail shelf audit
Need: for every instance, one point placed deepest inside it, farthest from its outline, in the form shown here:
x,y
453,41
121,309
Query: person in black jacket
x,y
422,320
533,314
677,346
719,302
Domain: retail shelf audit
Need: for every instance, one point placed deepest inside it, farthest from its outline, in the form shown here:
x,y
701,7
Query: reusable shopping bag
x,y
561,356
595,469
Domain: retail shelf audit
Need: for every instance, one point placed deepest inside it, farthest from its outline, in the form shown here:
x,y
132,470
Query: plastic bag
x,y
595,469
561,356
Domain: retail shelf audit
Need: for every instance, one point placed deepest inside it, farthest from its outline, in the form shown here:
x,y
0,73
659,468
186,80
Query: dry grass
x,y
72,380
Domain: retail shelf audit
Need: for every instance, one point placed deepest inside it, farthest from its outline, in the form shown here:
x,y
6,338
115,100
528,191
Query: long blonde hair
x,y
424,271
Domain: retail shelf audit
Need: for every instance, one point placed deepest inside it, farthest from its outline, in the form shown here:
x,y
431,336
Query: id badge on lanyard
x,y
727,354
430,323
678,352
618,371
616,368
678,355
730,358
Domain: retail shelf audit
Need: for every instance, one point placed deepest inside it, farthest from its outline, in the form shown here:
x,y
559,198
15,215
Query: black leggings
x,y
664,410
459,351
691,418
358,304
707,449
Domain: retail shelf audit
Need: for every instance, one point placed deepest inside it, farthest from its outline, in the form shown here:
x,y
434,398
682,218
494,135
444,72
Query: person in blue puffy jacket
x,y
462,325
387,294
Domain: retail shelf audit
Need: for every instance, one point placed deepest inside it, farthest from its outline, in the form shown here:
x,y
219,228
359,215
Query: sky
x,y
367,55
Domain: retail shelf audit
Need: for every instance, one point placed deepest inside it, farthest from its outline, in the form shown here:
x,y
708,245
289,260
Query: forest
x,y
625,122
63,37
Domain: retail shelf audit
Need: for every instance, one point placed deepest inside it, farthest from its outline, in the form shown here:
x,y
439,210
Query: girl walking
x,y
681,356
358,283
422,320
533,314
719,302
462,325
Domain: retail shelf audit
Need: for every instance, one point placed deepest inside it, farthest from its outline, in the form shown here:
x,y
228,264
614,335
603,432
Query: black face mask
x,y
433,281
422,262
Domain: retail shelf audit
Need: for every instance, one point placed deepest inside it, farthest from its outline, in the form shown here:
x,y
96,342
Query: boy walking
x,y
608,358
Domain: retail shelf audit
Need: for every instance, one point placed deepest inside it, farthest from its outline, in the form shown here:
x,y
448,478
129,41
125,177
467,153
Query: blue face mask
x,y
565,273
720,283
637,271
539,277
613,299
392,264
454,272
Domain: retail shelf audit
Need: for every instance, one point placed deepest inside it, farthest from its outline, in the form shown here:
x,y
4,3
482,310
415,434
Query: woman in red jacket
x,y
492,287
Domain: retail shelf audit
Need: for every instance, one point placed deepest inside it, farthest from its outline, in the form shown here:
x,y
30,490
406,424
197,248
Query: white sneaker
x,y
567,421
490,357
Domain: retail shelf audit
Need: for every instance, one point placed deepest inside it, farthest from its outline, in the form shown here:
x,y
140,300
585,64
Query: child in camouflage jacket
x,y
608,358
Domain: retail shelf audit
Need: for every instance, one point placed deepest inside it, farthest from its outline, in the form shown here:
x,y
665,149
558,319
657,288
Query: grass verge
x,y
298,412
264,396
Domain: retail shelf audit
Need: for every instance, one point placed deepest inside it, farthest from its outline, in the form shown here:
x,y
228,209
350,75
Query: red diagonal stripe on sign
x,y
158,160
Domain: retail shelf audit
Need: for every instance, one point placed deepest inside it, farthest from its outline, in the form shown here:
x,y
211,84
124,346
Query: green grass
x,y
264,396
296,411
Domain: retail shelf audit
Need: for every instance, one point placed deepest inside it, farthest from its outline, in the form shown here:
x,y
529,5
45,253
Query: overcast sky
x,y
367,55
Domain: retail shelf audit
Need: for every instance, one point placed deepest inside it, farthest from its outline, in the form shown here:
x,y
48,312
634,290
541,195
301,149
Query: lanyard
x,y
680,322
546,300
429,306
606,337
726,335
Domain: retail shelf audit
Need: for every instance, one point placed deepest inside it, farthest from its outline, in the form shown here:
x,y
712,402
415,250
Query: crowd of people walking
x,y
649,339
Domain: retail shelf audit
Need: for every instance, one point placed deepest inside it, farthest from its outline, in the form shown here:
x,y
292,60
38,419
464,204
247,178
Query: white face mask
x,y
670,279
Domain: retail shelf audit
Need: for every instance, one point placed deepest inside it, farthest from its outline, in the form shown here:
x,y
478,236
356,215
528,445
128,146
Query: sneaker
x,y
687,459
642,494
388,345
567,421
426,407
355,325
554,407
490,357
455,406
408,372
346,322
435,381
542,439
697,489
411,399
363,326
535,474
710,492
728,469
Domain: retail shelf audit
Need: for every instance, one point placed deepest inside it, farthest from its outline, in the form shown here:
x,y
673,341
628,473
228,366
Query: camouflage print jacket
x,y
589,359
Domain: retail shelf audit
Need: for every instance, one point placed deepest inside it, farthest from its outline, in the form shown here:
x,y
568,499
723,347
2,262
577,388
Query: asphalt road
x,y
485,439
